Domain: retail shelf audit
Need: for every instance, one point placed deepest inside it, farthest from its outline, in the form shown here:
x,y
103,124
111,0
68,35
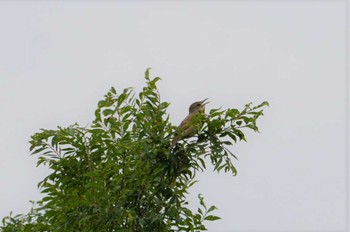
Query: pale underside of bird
x,y
188,126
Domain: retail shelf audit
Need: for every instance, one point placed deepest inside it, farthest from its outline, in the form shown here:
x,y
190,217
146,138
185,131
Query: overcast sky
x,y
58,59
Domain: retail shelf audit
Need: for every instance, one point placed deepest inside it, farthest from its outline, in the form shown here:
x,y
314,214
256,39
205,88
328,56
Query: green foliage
x,y
118,174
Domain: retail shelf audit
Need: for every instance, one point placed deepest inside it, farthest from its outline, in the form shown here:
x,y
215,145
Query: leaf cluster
x,y
118,173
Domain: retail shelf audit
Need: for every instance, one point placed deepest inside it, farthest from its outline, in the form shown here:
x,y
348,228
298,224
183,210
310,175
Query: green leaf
x,y
201,201
113,90
102,103
147,73
107,112
212,208
232,136
38,150
215,112
239,133
265,103
202,163
232,113
212,218
187,212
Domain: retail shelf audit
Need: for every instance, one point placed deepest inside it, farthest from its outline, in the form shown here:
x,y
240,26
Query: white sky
x,y
58,59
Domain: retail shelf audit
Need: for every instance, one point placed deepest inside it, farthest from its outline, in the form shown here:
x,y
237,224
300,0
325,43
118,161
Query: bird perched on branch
x,y
188,127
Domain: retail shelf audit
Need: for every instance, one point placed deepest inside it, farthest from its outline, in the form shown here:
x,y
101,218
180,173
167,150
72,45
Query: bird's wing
x,y
186,130
186,122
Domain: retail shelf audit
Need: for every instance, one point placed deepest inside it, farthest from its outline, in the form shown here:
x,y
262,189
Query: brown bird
x,y
187,127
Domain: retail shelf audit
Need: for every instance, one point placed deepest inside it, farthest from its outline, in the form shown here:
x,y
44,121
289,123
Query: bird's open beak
x,y
203,103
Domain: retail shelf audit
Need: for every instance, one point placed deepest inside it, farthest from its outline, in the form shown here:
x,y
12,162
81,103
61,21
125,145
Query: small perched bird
x,y
187,127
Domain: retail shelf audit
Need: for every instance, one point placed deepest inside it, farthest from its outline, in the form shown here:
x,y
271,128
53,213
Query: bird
x,y
187,128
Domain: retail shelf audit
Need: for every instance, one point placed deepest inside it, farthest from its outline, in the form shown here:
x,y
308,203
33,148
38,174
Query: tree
x,y
118,173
